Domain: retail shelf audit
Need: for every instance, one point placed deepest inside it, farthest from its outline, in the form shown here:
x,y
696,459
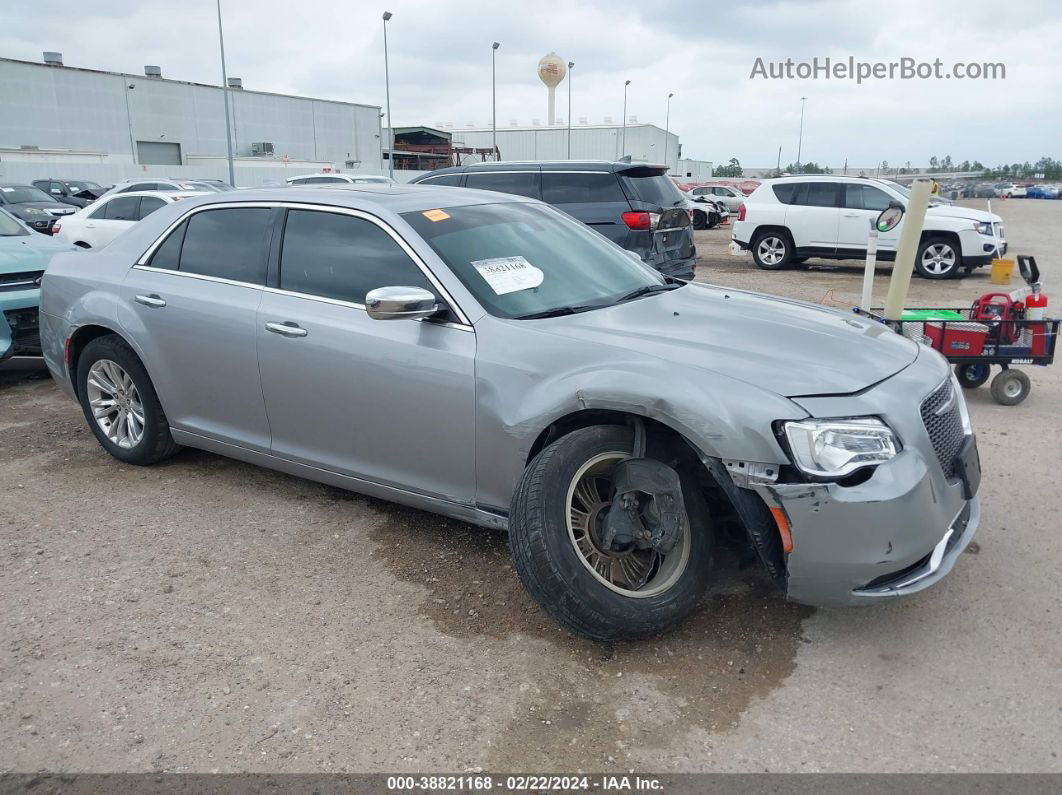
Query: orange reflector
x,y
783,529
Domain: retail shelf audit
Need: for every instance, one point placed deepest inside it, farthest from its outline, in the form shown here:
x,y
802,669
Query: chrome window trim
x,y
201,276
141,263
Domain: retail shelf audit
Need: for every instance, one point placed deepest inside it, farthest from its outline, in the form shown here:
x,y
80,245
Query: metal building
x,y
644,142
59,121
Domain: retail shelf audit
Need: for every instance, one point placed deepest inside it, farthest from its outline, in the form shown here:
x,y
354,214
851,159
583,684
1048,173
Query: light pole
x,y
571,65
800,139
778,165
225,97
494,100
387,91
667,122
623,145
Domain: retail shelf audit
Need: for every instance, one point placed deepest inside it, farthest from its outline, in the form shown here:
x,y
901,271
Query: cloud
x,y
440,61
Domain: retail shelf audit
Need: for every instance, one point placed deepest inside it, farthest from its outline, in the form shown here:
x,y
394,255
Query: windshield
x,y
9,227
656,189
24,193
529,259
84,185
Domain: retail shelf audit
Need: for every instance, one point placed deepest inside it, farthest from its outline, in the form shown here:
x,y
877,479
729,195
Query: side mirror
x,y
400,303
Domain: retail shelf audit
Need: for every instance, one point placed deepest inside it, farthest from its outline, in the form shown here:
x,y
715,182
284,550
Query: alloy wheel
x,y
116,404
938,259
771,250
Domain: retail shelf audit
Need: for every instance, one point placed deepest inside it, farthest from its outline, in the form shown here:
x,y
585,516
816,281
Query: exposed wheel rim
x,y
938,259
115,403
973,372
635,573
1012,387
771,250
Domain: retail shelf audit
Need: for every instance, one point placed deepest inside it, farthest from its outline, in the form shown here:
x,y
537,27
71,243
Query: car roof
x,y
546,165
161,194
395,198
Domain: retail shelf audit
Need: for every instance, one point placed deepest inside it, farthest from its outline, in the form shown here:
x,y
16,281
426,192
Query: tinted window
x,y
865,197
227,244
123,208
821,194
316,180
25,193
144,186
657,190
148,205
576,188
786,192
168,255
338,256
453,180
522,184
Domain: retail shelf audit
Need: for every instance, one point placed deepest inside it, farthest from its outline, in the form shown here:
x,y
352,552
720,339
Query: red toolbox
x,y
957,339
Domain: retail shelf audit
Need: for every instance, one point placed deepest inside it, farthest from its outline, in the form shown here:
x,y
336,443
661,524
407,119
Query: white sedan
x,y
101,222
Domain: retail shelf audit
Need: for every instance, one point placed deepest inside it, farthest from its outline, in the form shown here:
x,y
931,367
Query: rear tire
x,y
772,250
972,376
546,539
1010,387
120,403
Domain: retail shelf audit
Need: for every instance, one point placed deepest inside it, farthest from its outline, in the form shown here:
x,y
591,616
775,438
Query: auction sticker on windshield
x,y
508,274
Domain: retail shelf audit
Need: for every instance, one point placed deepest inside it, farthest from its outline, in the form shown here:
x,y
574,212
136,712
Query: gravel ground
x,y
205,615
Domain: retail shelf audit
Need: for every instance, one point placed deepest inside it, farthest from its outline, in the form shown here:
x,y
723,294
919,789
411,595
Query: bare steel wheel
x,y
115,403
628,570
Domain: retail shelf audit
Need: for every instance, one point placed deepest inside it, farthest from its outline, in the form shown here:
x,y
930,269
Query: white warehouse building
x,y
74,123
644,142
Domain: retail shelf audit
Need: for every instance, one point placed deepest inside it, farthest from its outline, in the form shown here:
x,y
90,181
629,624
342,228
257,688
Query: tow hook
x,y
647,507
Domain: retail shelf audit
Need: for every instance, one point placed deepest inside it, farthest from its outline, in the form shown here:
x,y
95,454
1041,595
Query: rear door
x,y
814,214
190,309
593,197
110,220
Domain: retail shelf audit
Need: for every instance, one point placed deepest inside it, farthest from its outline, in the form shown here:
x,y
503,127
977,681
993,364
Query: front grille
x,y
943,421
19,281
25,331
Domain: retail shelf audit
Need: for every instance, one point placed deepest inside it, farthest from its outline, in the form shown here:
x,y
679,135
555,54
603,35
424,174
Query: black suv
x,y
633,204
75,192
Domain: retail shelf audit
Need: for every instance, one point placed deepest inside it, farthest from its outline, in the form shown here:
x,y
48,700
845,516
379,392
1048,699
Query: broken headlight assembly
x,y
835,448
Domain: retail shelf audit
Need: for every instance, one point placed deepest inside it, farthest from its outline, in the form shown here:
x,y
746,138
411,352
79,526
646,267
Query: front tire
x,y
120,403
604,595
772,250
700,219
938,258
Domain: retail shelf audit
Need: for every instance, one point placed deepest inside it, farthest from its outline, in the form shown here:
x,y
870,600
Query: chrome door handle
x,y
286,329
90,226
151,300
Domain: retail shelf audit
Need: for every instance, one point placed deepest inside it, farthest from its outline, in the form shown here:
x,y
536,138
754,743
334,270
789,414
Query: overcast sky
x,y
702,51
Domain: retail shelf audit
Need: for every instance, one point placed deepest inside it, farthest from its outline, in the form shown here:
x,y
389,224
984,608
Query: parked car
x,y
705,211
633,204
23,258
98,225
33,206
788,220
488,358
75,192
1042,192
332,179
167,185
727,194
1011,191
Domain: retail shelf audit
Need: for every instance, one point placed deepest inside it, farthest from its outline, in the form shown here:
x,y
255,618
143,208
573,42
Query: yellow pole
x,y
910,236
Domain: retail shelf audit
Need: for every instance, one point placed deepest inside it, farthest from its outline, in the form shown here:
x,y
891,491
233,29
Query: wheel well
x,y
951,237
82,337
763,230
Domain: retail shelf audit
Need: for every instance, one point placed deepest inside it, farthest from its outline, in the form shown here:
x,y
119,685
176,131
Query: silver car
x,y
489,358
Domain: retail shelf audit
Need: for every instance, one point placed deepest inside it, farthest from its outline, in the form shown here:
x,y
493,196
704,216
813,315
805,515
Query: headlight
x,y
835,448
33,211
985,228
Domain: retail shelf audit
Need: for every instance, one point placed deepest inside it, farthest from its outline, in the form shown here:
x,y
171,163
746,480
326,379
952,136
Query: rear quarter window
x,y
583,188
786,193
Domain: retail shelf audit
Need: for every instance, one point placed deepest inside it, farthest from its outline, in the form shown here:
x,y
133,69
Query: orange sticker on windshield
x,y
435,215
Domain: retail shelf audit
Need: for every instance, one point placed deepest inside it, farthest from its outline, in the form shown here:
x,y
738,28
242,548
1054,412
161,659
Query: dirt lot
x,y
208,616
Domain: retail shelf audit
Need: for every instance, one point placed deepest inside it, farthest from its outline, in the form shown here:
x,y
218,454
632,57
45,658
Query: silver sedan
x,y
488,358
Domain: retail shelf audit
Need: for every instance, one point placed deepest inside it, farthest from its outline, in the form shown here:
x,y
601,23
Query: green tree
x,y
731,169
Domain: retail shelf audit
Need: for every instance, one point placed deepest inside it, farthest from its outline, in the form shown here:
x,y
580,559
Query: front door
x,y
389,401
862,205
190,310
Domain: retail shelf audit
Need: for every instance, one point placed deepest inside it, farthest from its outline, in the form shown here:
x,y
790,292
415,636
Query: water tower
x,y
551,71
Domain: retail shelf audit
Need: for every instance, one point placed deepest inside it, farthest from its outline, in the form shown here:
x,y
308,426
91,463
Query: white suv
x,y
788,220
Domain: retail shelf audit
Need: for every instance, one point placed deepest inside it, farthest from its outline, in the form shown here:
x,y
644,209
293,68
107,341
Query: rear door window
x,y
168,255
148,205
227,244
123,208
582,188
821,194
523,183
342,257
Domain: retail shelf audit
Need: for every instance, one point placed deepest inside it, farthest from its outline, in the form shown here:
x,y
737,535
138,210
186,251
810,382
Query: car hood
x,y
787,347
29,252
953,211
39,206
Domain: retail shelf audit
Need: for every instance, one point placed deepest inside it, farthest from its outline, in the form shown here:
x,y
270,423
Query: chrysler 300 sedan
x,y
489,358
